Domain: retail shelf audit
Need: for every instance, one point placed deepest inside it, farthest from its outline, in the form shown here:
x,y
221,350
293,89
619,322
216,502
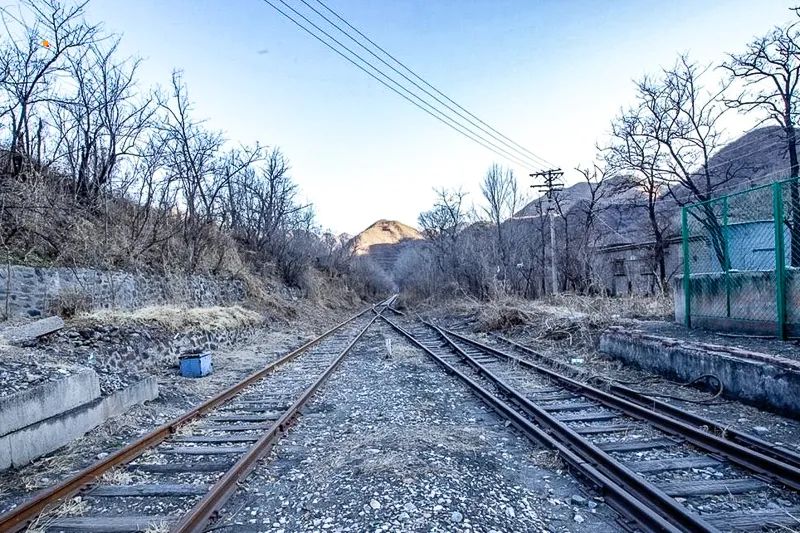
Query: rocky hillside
x,y
383,241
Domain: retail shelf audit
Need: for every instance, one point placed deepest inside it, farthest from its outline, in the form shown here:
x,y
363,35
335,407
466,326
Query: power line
x,y
552,183
474,120
434,112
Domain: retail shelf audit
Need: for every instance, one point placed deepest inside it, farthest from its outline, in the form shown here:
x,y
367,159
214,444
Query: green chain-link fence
x,y
740,255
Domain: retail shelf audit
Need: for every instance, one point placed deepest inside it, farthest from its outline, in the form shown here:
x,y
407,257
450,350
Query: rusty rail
x,y
738,437
197,519
646,505
21,516
755,460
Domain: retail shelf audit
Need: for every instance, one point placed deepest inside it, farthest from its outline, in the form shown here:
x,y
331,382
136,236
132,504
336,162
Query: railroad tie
x,y
550,396
546,391
756,520
245,418
177,468
108,524
603,428
205,450
160,491
254,407
637,445
234,427
588,417
675,463
711,487
569,406
215,438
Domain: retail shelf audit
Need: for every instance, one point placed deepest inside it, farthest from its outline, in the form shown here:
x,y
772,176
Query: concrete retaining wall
x,y
34,291
759,379
21,446
48,399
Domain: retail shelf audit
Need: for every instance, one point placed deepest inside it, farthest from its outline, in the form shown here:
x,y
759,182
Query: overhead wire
x,y
419,103
470,117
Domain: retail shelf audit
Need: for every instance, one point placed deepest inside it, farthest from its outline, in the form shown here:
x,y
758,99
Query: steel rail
x,y
750,459
205,510
633,498
643,490
21,516
739,437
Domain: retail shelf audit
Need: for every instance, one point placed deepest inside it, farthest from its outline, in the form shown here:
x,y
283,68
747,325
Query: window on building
x,y
618,267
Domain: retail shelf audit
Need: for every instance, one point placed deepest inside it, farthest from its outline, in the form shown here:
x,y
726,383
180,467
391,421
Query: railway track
x,y
179,476
656,466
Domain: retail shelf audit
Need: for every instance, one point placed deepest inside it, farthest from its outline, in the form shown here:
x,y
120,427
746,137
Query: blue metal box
x,y
196,365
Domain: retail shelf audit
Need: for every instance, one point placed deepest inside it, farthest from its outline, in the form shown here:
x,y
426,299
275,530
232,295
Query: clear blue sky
x,y
549,74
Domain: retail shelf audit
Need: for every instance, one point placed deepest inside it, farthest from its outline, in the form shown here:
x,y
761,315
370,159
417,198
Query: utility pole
x,y
552,183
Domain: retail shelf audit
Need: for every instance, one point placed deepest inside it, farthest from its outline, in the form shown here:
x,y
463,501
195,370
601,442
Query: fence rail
x,y
741,261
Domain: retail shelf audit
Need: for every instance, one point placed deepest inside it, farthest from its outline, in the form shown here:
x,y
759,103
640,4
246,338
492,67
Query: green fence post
x,y
687,297
780,261
727,258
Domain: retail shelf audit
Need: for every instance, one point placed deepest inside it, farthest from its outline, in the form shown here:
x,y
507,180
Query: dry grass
x,y
564,318
33,476
174,318
76,506
548,459
158,527
399,349
188,428
116,476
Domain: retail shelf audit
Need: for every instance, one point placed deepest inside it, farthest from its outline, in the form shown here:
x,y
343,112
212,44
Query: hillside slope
x,y
383,241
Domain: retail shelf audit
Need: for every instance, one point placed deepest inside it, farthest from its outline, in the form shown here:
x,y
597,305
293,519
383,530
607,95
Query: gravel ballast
x,y
393,443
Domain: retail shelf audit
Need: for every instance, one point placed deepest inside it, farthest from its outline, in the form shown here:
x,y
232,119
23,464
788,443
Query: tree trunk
x,y
795,195
658,237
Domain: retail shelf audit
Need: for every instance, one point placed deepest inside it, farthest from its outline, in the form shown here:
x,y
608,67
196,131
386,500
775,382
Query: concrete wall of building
x,y
34,291
637,275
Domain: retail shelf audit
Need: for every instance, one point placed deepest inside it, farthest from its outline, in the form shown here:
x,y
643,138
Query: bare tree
x,y
590,210
684,118
499,189
31,67
191,159
105,119
442,224
635,158
665,143
769,71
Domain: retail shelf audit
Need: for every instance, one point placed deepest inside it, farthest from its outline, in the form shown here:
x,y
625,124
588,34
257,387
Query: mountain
x,y
383,241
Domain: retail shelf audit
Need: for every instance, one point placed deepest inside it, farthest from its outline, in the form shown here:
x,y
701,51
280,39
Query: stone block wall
x,y
38,291
122,354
